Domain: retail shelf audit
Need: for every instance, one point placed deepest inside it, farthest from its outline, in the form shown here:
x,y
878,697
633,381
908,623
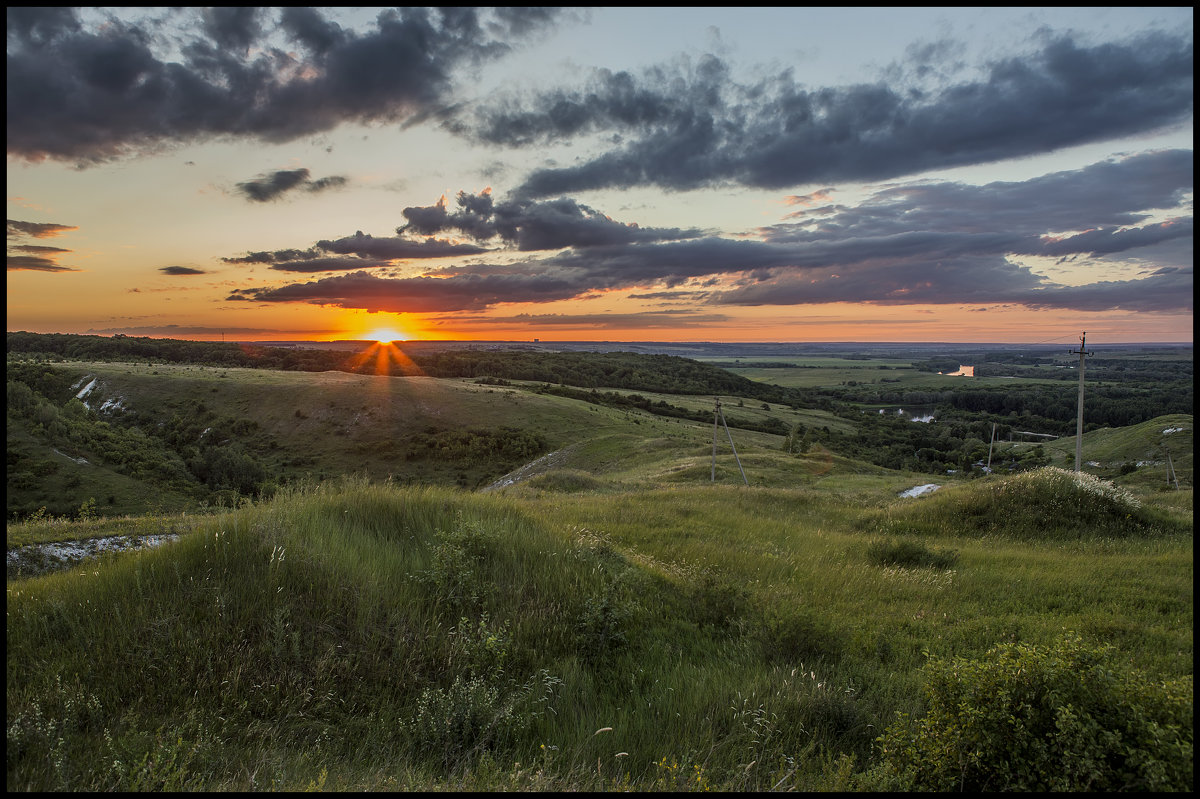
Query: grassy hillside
x,y
370,636
462,585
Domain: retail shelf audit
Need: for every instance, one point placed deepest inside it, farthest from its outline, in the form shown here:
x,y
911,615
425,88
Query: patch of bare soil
x,y
542,465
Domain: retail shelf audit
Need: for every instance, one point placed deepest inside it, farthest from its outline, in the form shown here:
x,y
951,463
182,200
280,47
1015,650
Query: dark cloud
x,y
276,257
685,128
619,321
417,294
232,28
531,226
327,264
38,230
34,249
1076,211
321,184
33,263
38,258
930,243
396,247
524,225
181,270
168,331
91,94
274,184
360,251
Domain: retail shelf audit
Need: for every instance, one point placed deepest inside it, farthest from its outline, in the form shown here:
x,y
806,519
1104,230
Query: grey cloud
x,y
531,226
360,251
232,27
1167,292
38,258
689,128
311,260
397,247
1075,211
197,330
986,281
305,26
331,182
925,243
416,294
661,319
278,256
181,270
327,264
89,95
34,249
33,263
1108,240
38,230
275,184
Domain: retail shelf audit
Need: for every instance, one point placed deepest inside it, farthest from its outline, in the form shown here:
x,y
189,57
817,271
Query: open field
x,y
814,372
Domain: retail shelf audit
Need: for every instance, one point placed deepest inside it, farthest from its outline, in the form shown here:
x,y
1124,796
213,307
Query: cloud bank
x,y
924,243
90,93
36,257
692,126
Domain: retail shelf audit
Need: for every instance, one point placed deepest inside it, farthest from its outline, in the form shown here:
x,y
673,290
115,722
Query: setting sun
x,y
386,335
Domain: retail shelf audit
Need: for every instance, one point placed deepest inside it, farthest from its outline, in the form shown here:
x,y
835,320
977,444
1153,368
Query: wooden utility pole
x,y
1171,471
1082,353
719,416
990,443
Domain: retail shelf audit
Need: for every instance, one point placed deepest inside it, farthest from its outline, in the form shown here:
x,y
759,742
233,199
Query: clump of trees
x,y
504,447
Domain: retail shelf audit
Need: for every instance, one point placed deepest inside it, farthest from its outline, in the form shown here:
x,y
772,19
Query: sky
x,y
1010,175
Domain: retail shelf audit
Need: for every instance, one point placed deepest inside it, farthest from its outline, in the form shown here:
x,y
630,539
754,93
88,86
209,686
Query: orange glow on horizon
x,y
386,335
385,354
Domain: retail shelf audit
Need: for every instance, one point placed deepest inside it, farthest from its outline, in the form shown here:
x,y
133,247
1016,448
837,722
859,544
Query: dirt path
x,y
532,469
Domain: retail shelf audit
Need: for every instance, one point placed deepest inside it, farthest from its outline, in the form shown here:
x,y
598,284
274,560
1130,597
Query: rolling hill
x,y
454,584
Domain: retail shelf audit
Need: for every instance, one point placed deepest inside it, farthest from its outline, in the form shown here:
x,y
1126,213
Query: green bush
x,y
1026,718
476,714
903,552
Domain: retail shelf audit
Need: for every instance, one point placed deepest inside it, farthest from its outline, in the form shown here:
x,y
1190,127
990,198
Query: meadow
x,y
614,619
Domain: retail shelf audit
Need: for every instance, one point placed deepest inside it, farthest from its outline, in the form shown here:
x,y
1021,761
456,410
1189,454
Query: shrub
x,y
908,553
455,577
568,481
1028,718
478,714
799,635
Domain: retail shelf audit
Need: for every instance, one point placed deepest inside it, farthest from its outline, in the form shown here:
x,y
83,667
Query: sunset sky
x,y
619,174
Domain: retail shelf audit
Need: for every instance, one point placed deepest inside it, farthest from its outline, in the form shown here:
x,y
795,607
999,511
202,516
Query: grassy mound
x,y
1046,503
567,481
342,632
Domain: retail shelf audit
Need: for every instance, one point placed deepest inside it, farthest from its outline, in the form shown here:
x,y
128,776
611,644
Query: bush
x,y
1027,718
902,552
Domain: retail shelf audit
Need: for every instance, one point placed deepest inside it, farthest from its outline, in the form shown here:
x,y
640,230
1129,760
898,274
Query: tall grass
x,y
368,636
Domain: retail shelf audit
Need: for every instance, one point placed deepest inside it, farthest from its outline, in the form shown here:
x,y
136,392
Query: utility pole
x,y
990,443
1171,471
719,416
1082,353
